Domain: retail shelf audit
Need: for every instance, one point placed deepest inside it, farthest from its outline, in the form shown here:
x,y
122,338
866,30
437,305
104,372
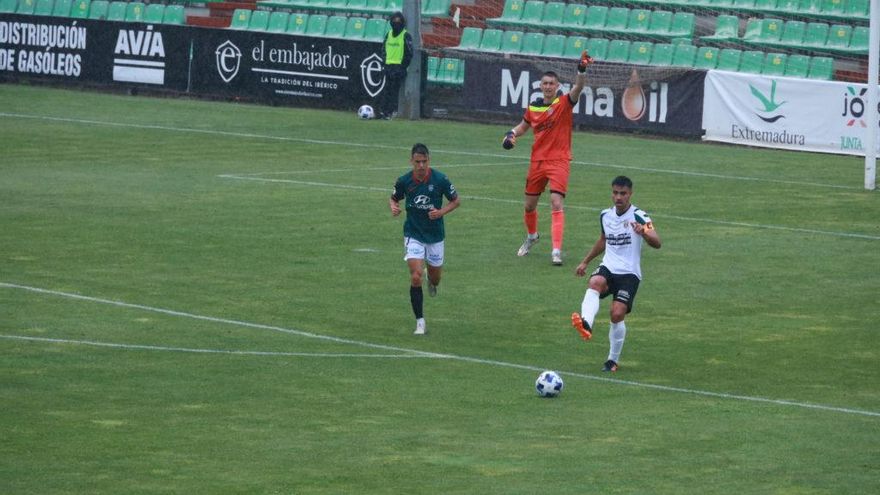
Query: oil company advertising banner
x,y
785,113
286,69
657,99
79,50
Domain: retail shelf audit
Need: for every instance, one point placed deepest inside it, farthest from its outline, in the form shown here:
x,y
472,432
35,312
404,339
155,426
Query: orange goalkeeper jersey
x,y
552,127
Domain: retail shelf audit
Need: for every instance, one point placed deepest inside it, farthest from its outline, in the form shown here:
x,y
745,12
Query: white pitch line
x,y
214,351
388,147
417,353
570,206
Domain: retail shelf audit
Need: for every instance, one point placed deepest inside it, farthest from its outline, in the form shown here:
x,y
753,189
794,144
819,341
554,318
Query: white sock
x,y
590,306
616,336
533,236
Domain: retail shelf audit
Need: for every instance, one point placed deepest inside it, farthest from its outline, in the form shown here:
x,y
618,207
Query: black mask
x,y
396,26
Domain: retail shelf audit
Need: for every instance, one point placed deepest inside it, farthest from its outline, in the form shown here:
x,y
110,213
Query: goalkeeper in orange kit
x,y
551,119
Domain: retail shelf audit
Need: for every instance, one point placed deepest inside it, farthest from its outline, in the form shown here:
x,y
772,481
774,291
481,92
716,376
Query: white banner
x,y
785,112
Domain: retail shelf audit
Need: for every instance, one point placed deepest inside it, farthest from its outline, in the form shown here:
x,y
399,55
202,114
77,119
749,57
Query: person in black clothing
x,y
397,53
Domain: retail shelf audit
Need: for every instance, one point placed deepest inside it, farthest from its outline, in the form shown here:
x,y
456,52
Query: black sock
x,y
415,298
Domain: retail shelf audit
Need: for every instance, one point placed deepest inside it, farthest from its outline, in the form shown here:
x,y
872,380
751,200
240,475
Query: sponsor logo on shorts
x,y
623,294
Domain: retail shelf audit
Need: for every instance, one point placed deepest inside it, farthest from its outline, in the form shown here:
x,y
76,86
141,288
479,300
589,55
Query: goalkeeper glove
x,y
584,61
507,142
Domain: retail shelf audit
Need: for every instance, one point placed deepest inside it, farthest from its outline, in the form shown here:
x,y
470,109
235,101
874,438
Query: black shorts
x,y
624,287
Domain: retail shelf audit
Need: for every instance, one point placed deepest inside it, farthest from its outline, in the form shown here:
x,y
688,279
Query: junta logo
x,y
371,75
854,106
768,112
228,58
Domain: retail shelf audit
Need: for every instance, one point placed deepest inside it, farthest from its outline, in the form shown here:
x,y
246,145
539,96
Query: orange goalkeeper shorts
x,y
542,172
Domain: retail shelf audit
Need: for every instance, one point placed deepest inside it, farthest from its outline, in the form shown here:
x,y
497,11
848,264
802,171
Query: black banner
x,y
286,69
106,52
656,99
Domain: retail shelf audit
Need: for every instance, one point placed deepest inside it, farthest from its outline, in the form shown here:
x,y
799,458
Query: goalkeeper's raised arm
x,y
580,79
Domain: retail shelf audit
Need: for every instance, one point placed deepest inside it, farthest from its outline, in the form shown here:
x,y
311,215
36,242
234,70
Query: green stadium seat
x,y
554,45
618,17
435,8
470,38
154,13
174,14
459,77
511,14
297,23
661,54
640,52
98,9
661,21
449,69
532,14
832,7
355,28
319,4
532,43
684,55
393,6
726,29
797,66
8,6
116,12
707,58
433,65
752,61
376,29
683,24
336,5
618,51
598,48
857,9
574,16
278,22
26,7
741,5
595,18
766,6
774,64
838,37
336,26
511,41
753,30
787,7
816,35
360,6
44,7
134,12
553,13
858,43
809,7
491,41
317,25
793,34
374,6
240,19
728,59
574,46
80,9
62,8
639,21
822,68
769,32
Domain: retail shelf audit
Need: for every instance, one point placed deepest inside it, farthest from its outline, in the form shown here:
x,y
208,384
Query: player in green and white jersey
x,y
624,226
423,190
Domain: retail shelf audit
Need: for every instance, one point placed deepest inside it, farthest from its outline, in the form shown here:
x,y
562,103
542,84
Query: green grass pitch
x,y
204,297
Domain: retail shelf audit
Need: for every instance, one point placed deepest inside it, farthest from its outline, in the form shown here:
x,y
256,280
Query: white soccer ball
x,y
549,384
366,112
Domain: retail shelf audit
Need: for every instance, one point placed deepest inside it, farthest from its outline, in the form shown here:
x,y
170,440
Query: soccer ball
x,y
366,112
549,384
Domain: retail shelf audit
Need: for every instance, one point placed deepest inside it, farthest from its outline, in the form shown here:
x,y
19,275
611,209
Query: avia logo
x,y
854,106
139,56
228,58
372,76
769,103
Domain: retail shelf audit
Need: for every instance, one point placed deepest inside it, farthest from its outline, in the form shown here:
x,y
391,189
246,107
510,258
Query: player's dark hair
x,y
622,181
551,74
420,149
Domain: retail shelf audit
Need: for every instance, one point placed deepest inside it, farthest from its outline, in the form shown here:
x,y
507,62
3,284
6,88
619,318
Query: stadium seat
x,y
554,45
117,11
448,71
838,37
707,58
774,64
374,6
360,6
595,18
682,25
618,51
8,6
832,7
532,13
618,18
62,8
532,43
726,29
154,13
240,19
278,21
174,14
336,5
317,25
598,48
822,68
26,7
793,34
336,26
98,9
355,28
297,23
728,59
769,32
684,55
470,38
44,7
511,14
575,45
816,35
375,30
661,21
491,41
810,7
797,66
553,13
437,8
787,7
511,41
80,9
858,43
857,9
661,54
752,61
574,16
766,6
639,21
134,12
640,52
433,65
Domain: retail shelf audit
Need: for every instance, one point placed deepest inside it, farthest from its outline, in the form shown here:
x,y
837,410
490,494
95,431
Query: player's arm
x,y
511,135
598,248
648,233
447,208
394,200
580,80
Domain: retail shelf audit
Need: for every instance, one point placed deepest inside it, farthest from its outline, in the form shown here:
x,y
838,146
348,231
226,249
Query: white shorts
x,y
432,253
